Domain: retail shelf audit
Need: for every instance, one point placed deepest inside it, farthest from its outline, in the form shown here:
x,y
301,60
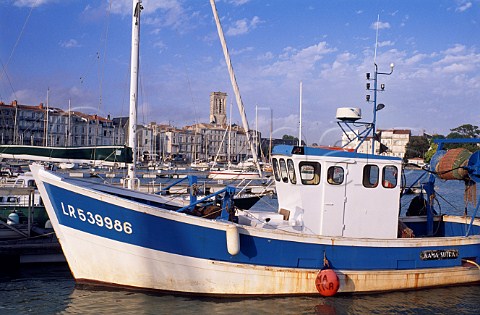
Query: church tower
x,y
218,108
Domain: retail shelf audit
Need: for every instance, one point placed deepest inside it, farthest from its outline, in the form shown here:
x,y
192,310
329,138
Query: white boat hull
x,y
142,268
103,259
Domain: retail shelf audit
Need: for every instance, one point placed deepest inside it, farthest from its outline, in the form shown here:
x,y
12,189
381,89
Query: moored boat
x,y
233,174
336,230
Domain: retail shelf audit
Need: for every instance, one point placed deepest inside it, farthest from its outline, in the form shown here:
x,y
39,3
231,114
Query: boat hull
x,y
150,248
232,174
140,268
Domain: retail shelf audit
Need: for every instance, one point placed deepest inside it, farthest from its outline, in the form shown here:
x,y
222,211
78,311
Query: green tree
x,y
431,151
433,148
289,137
417,147
464,131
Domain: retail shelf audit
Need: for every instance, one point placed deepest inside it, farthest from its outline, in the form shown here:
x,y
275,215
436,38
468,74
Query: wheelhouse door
x,y
334,192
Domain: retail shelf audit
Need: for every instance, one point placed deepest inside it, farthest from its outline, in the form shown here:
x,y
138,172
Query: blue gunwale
x,y
286,150
175,237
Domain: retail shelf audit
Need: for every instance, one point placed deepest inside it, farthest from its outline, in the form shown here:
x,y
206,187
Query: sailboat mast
x,y
132,122
300,116
241,108
46,118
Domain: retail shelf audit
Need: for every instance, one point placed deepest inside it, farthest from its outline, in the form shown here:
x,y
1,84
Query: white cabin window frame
x,y
389,176
309,172
371,176
276,170
283,170
291,171
335,175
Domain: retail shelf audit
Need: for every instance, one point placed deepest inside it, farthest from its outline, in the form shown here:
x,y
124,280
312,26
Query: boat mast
x,y
241,108
300,117
132,121
46,118
229,158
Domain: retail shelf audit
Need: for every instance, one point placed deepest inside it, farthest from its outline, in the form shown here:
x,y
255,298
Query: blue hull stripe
x,y
137,228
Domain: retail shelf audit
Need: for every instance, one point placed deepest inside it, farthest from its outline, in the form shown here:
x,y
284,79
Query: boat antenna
x,y
376,41
132,121
376,107
236,90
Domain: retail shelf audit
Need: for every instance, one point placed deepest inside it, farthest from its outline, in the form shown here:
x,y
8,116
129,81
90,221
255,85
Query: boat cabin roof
x,y
289,150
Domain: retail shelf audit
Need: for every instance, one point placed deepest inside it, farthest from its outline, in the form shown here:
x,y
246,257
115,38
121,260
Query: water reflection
x,y
51,290
463,300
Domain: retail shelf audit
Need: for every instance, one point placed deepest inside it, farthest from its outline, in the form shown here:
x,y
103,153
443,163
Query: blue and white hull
x,y
115,241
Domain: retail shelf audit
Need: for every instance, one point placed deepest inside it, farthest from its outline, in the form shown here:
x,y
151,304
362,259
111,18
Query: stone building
x,y
395,141
218,108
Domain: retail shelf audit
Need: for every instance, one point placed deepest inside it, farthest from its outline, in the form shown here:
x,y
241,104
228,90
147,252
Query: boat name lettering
x,y
97,219
439,254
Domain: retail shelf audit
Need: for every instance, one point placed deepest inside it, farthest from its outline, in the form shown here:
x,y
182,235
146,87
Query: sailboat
x,y
337,230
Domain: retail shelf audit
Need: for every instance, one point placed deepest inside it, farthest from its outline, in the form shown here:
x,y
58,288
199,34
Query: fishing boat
x,y
337,228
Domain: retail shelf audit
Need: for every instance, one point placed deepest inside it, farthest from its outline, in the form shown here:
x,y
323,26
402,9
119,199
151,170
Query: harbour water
x,y
50,289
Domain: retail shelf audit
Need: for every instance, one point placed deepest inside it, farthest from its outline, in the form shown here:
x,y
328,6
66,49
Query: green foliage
x,y
464,131
289,137
417,147
431,151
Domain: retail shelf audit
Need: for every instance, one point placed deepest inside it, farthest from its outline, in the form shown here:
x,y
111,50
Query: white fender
x,y
233,240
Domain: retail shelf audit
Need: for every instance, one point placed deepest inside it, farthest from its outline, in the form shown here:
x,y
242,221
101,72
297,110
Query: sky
x,y
79,51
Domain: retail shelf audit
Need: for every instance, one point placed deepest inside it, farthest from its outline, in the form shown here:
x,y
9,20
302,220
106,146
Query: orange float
x,y
327,282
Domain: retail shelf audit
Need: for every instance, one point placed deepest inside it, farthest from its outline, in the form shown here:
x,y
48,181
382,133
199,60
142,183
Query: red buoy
x,y
327,282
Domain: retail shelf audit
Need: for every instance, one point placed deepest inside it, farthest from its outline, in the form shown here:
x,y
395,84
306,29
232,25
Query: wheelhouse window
x,y
283,170
370,176
291,171
335,175
310,173
276,171
389,176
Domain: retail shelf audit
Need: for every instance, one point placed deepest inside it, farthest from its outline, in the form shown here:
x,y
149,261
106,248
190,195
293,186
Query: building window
x,y
370,176
335,175
310,173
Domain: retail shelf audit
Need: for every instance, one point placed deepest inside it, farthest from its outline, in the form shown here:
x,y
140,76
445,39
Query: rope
x,y
471,262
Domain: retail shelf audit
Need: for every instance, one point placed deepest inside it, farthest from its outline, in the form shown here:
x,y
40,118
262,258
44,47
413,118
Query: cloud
x,y
386,43
241,51
167,13
381,25
296,62
415,59
32,3
238,2
243,26
463,6
71,43
455,50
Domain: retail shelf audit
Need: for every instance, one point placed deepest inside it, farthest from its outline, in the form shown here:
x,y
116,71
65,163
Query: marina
x,y
106,215
324,219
